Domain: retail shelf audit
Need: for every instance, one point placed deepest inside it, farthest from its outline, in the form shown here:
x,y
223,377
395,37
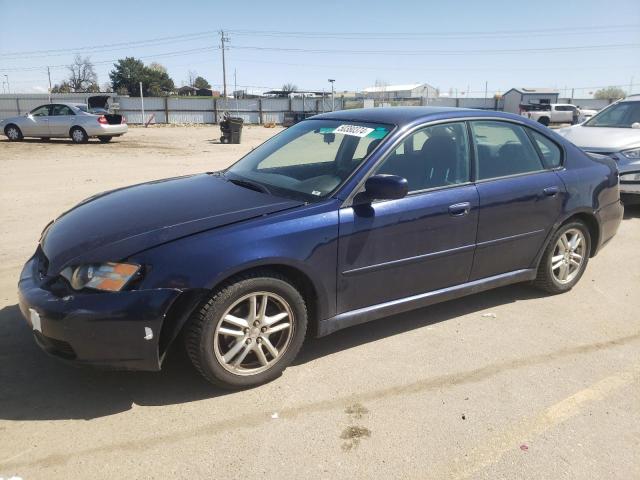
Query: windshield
x,y
310,159
620,115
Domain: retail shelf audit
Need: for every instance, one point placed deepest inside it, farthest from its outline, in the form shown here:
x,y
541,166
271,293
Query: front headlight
x,y
633,154
630,177
108,276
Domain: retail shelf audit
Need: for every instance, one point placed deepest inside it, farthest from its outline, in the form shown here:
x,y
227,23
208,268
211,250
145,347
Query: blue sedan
x,y
341,219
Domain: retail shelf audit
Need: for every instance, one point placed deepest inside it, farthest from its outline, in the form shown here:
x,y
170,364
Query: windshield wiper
x,y
258,187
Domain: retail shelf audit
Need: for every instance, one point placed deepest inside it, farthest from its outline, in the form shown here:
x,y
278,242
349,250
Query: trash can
x,y
231,129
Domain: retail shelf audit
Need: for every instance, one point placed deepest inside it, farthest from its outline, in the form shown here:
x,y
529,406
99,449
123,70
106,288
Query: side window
x,y
503,149
440,157
42,111
62,110
551,153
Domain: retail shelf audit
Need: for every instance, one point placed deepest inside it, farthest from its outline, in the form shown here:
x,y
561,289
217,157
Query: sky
x,y
459,47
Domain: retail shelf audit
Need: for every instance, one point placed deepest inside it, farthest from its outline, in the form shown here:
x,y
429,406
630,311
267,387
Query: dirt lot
x,y
506,384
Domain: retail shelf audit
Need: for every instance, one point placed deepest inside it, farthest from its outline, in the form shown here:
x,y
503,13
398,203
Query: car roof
x,y
393,115
402,116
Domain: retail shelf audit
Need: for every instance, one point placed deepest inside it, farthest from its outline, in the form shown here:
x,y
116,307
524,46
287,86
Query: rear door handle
x,y
459,209
551,191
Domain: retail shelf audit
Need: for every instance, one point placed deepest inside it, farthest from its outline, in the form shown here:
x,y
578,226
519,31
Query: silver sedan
x,y
64,120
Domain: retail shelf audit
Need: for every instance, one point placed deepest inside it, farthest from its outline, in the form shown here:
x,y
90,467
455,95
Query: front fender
x,y
303,239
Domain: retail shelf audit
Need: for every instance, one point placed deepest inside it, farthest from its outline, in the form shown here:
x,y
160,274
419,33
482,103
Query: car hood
x,y
601,139
114,225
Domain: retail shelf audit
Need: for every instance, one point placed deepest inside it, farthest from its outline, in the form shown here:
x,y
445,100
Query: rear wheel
x,y
247,332
78,135
544,121
105,139
565,258
13,133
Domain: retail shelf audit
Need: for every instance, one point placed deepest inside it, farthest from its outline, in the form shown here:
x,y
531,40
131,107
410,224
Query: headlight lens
x,y
630,177
108,276
633,154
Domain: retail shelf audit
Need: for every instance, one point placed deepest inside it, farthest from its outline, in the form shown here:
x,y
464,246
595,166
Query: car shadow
x,y
38,387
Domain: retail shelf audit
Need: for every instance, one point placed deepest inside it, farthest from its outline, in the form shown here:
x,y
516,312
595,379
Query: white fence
x,y
257,111
181,109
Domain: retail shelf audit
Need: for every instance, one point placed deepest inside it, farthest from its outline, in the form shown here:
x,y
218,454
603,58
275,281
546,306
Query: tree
x,y
82,76
63,87
289,88
201,82
158,67
192,78
609,93
129,72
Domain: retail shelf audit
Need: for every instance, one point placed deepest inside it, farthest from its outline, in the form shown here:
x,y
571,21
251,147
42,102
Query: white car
x,y
614,131
62,120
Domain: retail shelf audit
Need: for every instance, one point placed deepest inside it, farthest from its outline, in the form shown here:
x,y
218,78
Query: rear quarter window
x,y
551,153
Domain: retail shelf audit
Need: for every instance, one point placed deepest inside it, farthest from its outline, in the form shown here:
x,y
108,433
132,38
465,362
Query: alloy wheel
x,y
13,133
78,135
568,256
254,333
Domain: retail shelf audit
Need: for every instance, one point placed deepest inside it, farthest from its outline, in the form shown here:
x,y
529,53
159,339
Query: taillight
x,y
103,120
124,119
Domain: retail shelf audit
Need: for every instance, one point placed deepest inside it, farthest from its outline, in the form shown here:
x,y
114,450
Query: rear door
x,y
36,123
61,120
520,196
393,249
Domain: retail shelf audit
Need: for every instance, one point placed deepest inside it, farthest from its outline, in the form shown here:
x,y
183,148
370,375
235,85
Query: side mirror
x,y
383,187
635,125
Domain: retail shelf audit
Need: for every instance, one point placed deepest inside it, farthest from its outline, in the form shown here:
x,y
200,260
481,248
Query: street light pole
x,y
8,88
333,98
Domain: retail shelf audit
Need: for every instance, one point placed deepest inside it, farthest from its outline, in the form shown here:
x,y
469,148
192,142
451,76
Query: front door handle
x,y
551,191
460,209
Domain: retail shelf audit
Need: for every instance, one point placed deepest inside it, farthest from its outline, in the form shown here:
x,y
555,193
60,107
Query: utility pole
x,y
486,85
49,74
224,65
333,98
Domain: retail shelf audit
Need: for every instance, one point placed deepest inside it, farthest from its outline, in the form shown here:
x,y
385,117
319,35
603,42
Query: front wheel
x,y
105,139
13,133
247,332
565,259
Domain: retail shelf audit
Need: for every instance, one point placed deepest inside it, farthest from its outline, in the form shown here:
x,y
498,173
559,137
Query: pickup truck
x,y
549,113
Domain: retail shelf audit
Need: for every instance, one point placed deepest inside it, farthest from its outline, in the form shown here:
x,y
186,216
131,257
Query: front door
x,y
37,122
397,248
520,195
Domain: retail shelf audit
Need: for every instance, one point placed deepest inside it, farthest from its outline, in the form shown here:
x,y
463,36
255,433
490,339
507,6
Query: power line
x,y
448,35
158,40
442,52
103,62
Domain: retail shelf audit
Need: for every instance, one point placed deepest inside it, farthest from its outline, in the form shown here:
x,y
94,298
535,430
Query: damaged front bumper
x,y
120,330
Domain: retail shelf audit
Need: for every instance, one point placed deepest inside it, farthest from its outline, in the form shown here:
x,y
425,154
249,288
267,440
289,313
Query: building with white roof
x,y
393,92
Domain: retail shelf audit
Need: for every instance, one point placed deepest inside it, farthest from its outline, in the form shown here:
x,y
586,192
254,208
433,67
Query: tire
x,y
224,139
231,360
105,139
13,133
551,279
78,135
544,121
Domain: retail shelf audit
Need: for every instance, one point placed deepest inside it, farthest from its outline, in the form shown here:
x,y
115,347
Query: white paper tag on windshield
x,y
355,130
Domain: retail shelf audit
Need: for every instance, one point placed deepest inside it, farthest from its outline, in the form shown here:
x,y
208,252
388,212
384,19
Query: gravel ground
x,y
505,384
